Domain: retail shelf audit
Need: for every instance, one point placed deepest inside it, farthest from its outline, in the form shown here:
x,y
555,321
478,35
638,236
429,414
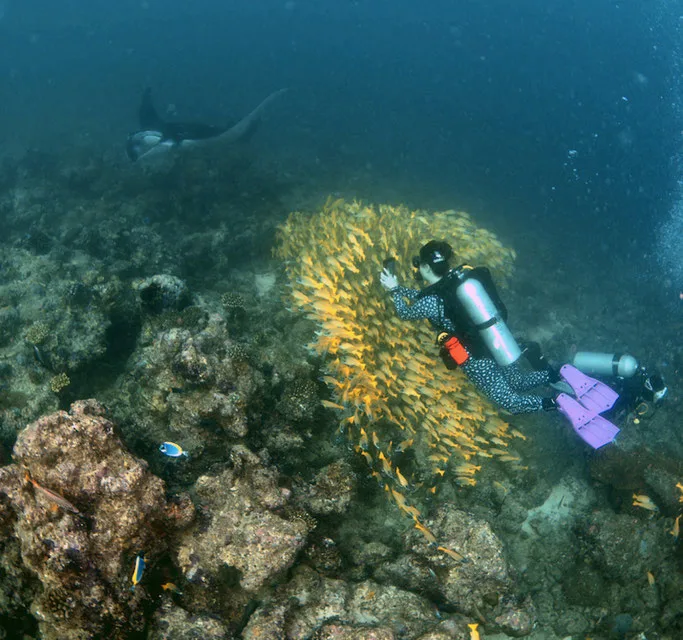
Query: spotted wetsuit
x,y
506,386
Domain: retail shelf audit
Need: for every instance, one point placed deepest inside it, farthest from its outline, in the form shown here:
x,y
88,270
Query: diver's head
x,y
142,142
433,263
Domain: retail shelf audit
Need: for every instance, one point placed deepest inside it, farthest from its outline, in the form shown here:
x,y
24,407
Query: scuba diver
x,y
462,304
157,137
641,390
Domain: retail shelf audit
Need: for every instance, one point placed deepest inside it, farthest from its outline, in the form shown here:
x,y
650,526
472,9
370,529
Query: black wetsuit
x,y
506,386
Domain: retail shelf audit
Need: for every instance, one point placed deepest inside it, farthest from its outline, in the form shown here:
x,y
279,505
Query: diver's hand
x,y
388,280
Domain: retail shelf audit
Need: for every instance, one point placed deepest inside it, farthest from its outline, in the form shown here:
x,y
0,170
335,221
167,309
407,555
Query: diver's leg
x,y
524,380
488,377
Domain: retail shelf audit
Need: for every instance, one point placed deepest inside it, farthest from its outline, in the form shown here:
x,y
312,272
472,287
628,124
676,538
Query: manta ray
x,y
158,137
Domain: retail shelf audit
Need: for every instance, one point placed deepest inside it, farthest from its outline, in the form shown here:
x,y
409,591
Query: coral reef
x,y
308,603
78,231
331,490
410,419
82,509
299,401
246,533
163,293
59,383
116,280
174,623
186,383
242,503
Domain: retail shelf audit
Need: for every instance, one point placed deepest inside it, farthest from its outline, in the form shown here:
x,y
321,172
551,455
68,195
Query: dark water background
x,y
477,102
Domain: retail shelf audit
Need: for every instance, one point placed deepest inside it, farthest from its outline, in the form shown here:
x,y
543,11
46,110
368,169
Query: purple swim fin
x,y
591,426
596,396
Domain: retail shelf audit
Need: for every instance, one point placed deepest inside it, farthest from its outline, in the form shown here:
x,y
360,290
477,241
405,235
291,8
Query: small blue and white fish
x,y
172,450
138,570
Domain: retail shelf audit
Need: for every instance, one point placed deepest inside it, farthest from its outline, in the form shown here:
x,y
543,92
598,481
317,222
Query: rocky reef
x,y
158,295
82,508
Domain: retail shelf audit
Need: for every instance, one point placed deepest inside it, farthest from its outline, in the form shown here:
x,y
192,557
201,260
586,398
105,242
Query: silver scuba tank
x,y
619,365
484,314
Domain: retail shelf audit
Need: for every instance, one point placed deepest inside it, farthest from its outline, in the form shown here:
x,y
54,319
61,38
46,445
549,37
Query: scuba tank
x,y
619,365
485,316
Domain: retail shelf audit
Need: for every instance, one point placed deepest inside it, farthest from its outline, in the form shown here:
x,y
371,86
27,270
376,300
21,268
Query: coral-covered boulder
x,y
483,577
244,532
312,606
188,385
174,623
84,509
332,490
478,585
343,632
162,293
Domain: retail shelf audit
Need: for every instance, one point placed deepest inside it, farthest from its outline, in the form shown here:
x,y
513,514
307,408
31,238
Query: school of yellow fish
x,y
414,422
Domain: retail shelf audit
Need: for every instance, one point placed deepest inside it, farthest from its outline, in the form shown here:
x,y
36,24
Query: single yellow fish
x,y
650,578
677,529
363,439
644,502
401,478
386,464
474,634
331,405
431,538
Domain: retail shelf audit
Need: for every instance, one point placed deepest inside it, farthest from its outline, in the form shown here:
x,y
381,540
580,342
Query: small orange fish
x,y
54,497
169,586
677,529
453,554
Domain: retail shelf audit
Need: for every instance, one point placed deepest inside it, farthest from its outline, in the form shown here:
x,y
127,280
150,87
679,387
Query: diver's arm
x,y
411,294
399,294
428,308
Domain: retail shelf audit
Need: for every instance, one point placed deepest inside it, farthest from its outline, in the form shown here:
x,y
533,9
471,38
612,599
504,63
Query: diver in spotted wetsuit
x,y
496,374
